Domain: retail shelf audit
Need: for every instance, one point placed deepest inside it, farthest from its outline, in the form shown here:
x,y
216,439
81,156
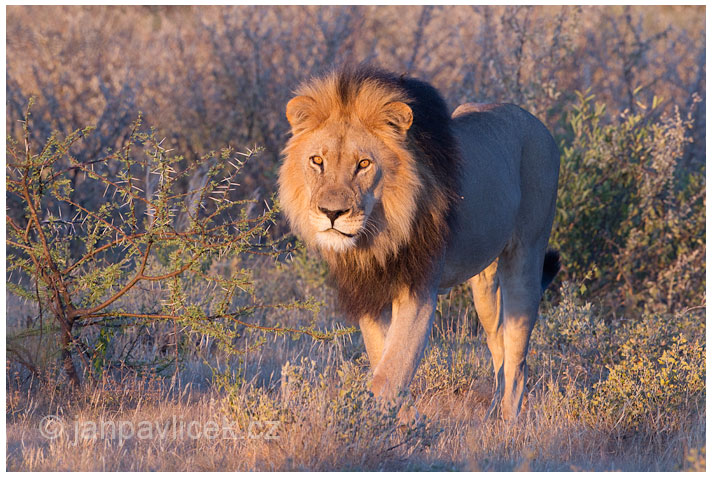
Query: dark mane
x,y
368,289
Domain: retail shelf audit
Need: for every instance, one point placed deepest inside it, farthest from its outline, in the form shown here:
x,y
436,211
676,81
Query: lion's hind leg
x,y
520,275
487,296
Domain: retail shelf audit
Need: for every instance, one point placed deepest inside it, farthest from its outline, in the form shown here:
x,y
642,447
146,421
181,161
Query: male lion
x,y
404,201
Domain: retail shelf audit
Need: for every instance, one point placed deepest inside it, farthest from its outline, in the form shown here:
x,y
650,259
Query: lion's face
x,y
343,166
348,180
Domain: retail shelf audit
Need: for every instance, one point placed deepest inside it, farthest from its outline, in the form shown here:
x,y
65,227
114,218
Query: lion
x,y
404,201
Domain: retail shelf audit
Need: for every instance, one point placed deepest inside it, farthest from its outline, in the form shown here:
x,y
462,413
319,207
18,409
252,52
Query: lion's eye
x,y
318,160
364,163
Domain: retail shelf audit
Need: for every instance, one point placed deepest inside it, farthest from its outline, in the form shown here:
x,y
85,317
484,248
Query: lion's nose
x,y
333,215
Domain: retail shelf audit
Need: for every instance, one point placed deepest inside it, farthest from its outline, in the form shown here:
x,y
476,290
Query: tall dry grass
x,y
576,415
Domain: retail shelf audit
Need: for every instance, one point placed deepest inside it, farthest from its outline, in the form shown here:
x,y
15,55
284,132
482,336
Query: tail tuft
x,y
552,265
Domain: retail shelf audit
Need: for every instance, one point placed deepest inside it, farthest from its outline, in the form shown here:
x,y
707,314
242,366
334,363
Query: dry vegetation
x,y
617,362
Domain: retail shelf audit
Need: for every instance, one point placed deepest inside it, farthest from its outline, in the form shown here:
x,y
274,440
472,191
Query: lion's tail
x,y
552,265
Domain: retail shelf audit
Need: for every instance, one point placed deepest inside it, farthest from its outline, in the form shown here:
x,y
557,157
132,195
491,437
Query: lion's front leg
x,y
374,333
411,321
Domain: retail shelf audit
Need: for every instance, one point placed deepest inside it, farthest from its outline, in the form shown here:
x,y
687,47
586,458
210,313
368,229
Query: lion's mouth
x,y
340,232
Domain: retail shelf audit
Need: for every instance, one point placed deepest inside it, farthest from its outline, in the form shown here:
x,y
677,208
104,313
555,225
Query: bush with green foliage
x,y
85,267
630,373
628,211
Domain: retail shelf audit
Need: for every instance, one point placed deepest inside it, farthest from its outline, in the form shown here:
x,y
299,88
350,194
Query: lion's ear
x,y
398,115
302,113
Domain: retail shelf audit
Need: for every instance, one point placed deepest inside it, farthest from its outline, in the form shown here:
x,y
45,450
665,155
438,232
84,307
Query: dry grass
x,y
546,438
316,392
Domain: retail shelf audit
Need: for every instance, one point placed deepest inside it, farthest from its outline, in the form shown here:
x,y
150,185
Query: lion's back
x,y
507,126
